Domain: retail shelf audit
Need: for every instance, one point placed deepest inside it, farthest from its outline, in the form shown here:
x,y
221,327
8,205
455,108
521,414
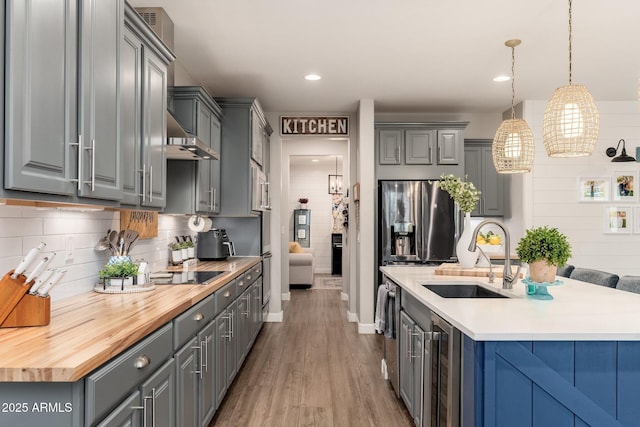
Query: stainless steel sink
x,y
466,290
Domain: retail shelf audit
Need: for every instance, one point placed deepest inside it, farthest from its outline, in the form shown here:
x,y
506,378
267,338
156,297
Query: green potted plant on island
x,y
544,249
118,273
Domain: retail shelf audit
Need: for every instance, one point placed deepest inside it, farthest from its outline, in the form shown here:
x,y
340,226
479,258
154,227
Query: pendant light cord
x,y
513,82
570,42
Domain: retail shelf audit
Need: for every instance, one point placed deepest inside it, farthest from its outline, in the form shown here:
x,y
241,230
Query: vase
x,y
466,258
541,272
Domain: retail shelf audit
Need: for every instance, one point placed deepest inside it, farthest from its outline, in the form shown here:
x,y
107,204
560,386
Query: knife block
x,y
18,308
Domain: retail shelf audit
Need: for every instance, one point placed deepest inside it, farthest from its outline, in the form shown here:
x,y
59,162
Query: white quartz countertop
x,y
579,311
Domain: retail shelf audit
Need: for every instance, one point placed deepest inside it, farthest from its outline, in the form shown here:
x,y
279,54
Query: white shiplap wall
x,y
22,228
549,195
310,180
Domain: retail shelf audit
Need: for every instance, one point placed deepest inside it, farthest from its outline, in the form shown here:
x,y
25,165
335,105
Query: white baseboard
x,y
275,317
344,296
366,328
352,317
286,296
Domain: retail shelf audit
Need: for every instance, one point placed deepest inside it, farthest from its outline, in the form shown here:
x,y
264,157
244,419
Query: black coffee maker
x,y
214,245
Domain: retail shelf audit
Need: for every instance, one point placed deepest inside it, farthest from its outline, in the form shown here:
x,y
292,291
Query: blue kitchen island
x,y
570,361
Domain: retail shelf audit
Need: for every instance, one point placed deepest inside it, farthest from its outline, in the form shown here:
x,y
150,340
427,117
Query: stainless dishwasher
x,y
445,344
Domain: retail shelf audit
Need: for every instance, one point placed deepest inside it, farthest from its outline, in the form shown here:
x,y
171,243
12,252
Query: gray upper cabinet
x,y
143,102
449,141
494,187
50,151
389,146
419,147
101,28
194,185
41,96
404,149
245,132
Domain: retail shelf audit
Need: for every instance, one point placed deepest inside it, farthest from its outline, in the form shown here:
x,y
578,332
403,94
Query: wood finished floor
x,y
314,369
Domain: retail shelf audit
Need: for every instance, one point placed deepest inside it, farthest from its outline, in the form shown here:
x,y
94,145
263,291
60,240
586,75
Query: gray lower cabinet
x,y
226,350
194,185
494,187
143,102
245,132
244,326
194,339
414,359
187,381
142,364
152,405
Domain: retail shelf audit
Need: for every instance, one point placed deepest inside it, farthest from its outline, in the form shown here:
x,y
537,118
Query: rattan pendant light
x,y
571,120
513,147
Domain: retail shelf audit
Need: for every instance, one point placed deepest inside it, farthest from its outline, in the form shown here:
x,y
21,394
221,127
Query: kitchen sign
x,y
309,125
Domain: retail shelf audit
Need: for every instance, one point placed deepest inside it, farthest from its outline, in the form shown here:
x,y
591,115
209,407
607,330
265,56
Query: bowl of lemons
x,y
490,243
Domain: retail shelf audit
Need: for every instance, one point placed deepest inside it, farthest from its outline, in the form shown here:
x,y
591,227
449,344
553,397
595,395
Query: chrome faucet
x,y
507,276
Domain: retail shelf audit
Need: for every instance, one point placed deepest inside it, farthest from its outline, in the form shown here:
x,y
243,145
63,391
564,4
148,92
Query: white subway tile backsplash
x,y
23,227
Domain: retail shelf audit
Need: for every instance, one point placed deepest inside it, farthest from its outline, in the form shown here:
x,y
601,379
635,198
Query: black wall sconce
x,y
623,157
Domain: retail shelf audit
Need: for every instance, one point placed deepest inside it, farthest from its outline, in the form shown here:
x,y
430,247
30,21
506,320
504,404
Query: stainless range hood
x,y
184,146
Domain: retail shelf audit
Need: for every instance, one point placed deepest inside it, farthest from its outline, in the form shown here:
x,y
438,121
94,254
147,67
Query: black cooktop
x,y
187,277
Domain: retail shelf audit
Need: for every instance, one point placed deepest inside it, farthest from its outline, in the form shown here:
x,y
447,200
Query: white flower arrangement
x,y
464,193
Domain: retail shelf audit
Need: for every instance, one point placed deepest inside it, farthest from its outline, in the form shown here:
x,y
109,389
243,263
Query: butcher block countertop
x,y
90,329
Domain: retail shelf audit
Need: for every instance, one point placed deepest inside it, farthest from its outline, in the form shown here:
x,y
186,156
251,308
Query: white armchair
x,y
301,267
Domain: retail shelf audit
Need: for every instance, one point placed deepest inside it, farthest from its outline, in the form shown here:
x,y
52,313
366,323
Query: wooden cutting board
x,y
450,269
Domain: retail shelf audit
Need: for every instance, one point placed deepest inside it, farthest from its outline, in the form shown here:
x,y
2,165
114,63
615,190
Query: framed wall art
x,y
636,220
618,220
624,183
594,189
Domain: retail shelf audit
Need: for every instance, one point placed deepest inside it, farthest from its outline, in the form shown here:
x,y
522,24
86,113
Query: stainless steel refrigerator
x,y
417,223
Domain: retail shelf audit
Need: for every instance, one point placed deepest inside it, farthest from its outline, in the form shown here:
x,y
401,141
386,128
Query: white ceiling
x,y
406,55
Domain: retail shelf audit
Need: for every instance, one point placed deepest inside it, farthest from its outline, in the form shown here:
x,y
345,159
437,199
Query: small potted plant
x,y
544,249
191,249
184,250
176,253
118,273
303,202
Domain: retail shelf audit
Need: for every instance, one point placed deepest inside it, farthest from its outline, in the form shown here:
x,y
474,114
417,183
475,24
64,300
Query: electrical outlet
x,y
68,249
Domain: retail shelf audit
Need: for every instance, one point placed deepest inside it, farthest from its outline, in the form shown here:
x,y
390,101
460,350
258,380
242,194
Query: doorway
x,y
307,165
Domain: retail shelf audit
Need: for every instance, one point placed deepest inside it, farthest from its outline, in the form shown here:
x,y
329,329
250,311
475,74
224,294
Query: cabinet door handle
x,y
226,294
205,359
198,317
210,198
199,348
215,199
143,171
92,181
231,316
142,362
79,145
150,183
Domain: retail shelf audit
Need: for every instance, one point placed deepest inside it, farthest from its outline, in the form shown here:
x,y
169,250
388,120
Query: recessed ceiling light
x,y
501,79
312,77
315,160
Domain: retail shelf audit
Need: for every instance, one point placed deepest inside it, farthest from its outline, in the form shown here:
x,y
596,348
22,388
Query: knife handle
x,y
44,290
27,260
40,267
41,279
